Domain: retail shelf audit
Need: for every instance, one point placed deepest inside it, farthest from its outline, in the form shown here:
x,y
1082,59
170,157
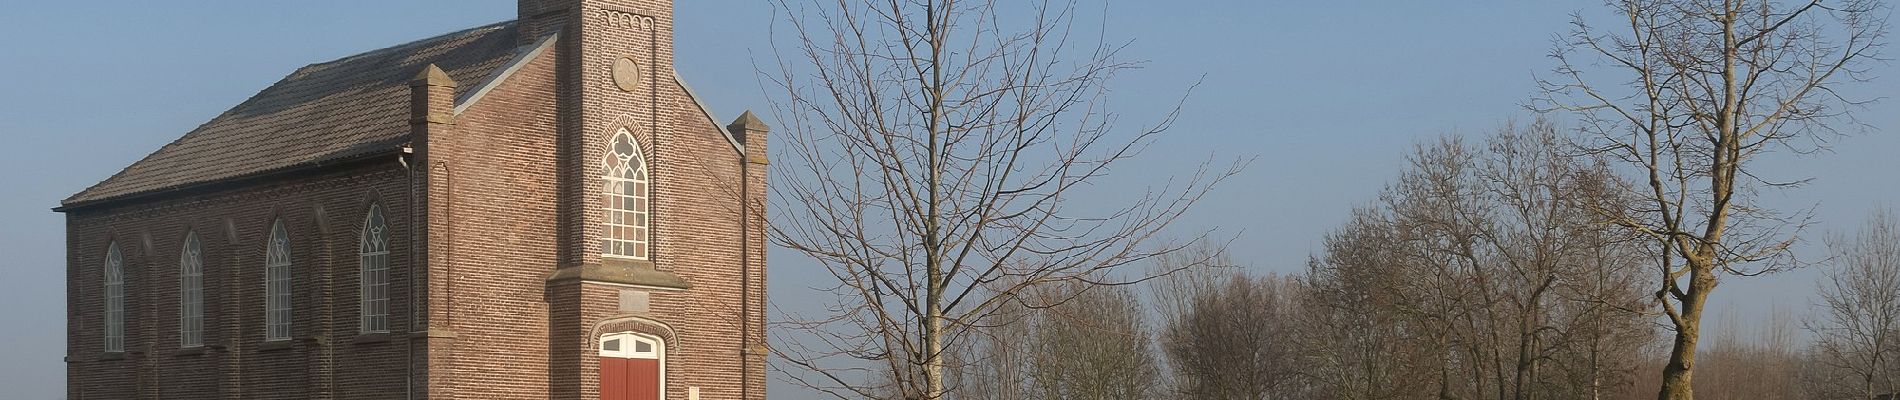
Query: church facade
x,y
534,209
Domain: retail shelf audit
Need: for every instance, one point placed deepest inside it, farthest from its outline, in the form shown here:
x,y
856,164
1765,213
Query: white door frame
x,y
626,346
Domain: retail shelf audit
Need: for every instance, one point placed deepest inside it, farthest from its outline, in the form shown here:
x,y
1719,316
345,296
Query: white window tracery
x,y
625,189
115,299
375,272
277,284
191,293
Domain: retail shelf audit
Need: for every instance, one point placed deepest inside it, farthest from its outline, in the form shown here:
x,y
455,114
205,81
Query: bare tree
x,y
996,363
1692,93
1360,344
1610,329
1858,330
1234,340
1486,261
1761,363
1560,289
1095,346
937,149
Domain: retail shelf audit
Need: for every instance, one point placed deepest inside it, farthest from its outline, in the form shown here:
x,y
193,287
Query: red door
x,y
614,384
644,378
629,367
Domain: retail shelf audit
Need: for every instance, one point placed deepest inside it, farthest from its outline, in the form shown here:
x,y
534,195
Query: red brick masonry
x,y
482,148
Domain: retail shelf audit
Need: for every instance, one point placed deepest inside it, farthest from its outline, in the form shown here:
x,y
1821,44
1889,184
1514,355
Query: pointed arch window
x,y
375,272
191,293
277,284
115,299
624,199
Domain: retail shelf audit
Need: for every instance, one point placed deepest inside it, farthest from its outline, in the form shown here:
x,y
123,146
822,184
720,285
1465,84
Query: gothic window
x,y
191,293
277,284
115,299
624,200
375,272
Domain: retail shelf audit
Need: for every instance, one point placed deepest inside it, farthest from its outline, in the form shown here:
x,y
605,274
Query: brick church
x,y
534,209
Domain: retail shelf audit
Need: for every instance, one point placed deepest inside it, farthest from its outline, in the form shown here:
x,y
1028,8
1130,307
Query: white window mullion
x,y
191,293
115,300
277,285
625,189
374,276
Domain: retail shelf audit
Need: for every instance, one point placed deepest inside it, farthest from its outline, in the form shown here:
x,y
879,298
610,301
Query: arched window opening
x,y
191,293
375,272
277,284
624,199
115,299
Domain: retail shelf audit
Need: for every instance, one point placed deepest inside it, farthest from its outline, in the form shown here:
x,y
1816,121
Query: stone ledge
x,y
372,337
281,344
435,332
620,272
755,350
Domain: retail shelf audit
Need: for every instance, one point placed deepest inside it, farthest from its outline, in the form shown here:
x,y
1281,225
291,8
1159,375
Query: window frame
x,y
635,236
278,306
373,273
113,338
191,292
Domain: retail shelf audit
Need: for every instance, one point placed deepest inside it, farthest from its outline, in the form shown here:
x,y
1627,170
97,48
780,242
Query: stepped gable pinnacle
x,y
748,122
433,76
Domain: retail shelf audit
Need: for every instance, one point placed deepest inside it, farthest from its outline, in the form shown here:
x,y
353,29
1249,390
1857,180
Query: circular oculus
x,y
627,74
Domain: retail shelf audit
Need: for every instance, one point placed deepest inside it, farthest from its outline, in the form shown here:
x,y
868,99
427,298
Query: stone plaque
x,y
634,301
627,74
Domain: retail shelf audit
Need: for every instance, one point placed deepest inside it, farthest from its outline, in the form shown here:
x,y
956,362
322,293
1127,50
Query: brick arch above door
x,y
636,324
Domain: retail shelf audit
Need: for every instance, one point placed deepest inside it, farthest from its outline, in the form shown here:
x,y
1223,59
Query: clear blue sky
x,y
1329,95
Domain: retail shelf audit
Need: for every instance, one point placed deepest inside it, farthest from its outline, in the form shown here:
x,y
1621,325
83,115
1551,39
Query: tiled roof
x,y
322,112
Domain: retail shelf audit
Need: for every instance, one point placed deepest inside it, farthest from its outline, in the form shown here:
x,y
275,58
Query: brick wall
x,y
497,232
323,215
507,197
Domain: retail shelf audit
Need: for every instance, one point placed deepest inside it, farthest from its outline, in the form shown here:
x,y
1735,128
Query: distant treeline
x,y
1480,273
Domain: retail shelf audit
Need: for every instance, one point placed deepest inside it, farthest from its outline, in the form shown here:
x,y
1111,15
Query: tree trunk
x,y
1677,374
933,360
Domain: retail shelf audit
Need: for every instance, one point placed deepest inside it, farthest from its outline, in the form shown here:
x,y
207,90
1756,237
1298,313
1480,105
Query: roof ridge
x,y
431,39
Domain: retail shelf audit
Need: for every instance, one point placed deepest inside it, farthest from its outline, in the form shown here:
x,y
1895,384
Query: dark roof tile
x,y
321,112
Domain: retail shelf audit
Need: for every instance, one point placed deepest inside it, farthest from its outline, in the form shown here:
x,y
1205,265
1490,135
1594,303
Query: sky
x,y
1328,96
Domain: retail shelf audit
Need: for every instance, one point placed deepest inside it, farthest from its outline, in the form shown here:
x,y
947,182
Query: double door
x,y
630,367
